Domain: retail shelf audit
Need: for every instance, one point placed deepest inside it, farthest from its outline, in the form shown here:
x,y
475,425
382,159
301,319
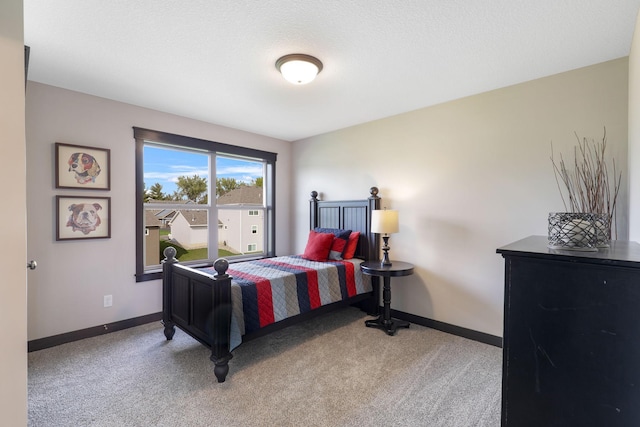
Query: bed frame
x,y
200,303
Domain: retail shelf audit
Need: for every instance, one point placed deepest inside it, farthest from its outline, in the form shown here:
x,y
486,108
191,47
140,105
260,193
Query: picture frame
x,y
83,217
82,167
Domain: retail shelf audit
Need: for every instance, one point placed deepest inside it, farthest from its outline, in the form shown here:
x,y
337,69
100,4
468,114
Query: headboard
x,y
354,215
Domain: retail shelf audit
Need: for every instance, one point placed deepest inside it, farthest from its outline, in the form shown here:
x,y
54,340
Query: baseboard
x,y
42,343
448,328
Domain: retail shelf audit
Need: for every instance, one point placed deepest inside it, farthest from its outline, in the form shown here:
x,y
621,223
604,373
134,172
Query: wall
x,y
13,291
467,177
239,241
66,291
634,135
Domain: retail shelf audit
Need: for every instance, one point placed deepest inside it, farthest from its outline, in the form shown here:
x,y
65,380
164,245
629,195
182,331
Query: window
x,y
184,184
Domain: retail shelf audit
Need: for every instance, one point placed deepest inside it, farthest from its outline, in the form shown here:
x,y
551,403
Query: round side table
x,y
397,268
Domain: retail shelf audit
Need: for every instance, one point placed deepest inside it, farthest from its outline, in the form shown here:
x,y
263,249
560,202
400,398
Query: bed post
x,y
374,251
313,210
167,270
374,241
221,320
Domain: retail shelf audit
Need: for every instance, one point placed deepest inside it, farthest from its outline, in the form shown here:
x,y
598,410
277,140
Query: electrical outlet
x,y
108,300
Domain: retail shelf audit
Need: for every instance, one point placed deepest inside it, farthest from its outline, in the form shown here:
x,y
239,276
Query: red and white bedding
x,y
269,290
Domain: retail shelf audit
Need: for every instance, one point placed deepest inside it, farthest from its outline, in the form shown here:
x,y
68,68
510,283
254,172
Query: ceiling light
x,y
298,68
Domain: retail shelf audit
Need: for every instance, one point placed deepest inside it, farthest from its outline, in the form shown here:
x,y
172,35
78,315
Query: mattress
x,y
269,290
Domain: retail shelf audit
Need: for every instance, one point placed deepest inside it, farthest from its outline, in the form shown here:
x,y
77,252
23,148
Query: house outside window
x,y
174,193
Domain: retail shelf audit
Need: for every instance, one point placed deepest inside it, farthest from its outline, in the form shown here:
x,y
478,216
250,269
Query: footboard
x,y
200,305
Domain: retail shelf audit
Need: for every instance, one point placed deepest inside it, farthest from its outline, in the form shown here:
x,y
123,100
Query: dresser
x,y
571,349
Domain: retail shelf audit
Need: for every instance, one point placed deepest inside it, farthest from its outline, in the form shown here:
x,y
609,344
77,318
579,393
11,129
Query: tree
x,y
145,192
257,182
155,193
192,188
224,185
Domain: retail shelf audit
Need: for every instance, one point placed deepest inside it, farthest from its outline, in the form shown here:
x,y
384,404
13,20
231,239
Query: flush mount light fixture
x,y
299,68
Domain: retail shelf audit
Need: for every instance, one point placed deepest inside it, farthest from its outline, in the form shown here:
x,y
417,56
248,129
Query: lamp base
x,y
385,262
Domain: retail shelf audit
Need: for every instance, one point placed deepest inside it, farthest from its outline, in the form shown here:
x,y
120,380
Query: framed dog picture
x,y
82,167
80,217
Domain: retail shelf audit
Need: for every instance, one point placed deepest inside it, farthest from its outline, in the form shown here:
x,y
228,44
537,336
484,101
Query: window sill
x,y
146,277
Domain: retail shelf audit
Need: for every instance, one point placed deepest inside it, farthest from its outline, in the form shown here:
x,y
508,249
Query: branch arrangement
x,y
587,186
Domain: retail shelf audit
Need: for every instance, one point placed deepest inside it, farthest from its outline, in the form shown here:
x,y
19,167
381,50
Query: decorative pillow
x,y
318,246
339,242
352,244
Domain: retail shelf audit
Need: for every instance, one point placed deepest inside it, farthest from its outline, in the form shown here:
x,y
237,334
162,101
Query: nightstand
x,y
397,268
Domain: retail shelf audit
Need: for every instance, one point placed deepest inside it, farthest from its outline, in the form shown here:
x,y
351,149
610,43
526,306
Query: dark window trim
x,y
201,144
141,135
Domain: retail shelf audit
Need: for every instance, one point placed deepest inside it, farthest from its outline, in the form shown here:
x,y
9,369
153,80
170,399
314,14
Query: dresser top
x,y
621,252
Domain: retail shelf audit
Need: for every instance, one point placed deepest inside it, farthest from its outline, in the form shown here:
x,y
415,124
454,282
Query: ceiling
x,y
214,60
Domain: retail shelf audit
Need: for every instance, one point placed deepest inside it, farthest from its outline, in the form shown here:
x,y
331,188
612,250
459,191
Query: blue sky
x,y
164,166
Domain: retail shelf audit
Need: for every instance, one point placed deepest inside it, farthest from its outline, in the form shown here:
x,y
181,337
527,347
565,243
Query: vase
x,y
579,231
603,230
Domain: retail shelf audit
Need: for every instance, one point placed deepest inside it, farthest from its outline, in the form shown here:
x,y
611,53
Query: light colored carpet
x,y
329,371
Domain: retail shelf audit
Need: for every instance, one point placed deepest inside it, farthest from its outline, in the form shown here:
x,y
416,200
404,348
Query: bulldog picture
x,y
84,217
84,166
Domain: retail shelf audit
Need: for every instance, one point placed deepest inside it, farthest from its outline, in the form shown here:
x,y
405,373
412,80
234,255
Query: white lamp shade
x,y
384,221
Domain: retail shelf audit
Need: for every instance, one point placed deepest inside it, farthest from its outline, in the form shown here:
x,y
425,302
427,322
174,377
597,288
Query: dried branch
x,y
587,186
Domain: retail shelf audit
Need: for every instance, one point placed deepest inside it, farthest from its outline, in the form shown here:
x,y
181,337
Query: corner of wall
x,y
634,134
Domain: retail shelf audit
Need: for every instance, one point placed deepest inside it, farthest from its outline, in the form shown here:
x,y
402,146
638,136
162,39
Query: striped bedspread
x,y
269,290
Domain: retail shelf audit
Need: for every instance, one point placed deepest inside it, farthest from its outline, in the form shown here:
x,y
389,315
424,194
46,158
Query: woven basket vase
x,y
579,231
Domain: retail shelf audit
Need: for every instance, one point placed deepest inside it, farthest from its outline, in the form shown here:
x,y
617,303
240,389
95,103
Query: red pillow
x,y
337,247
352,244
339,242
318,246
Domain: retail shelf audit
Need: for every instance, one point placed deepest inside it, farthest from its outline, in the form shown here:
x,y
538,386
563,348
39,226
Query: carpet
x,y
328,371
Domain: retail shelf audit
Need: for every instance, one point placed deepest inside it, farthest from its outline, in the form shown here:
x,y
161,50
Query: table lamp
x,y
384,222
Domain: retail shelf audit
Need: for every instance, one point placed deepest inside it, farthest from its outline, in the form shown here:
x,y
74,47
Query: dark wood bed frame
x,y
200,303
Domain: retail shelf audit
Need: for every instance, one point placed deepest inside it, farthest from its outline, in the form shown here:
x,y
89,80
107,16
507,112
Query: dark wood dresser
x,y
571,349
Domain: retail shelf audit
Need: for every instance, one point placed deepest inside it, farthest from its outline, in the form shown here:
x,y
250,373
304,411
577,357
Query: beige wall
x,y
66,291
13,289
634,135
467,176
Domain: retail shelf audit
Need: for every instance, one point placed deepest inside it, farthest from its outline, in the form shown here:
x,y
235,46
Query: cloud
x,y
167,175
242,173
253,171
174,172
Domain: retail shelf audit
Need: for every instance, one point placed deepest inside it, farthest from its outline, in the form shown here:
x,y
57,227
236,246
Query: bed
x,y
223,304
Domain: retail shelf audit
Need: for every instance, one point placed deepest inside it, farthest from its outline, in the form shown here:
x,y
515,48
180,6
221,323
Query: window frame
x,y
142,135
